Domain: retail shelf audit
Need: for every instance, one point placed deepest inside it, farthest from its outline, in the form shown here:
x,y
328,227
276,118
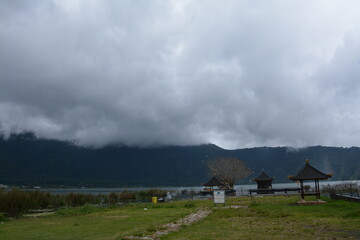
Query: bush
x,y
127,196
14,203
78,199
58,201
38,199
113,198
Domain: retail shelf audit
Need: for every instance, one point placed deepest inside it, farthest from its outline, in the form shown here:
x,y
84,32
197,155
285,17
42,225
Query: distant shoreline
x,y
241,189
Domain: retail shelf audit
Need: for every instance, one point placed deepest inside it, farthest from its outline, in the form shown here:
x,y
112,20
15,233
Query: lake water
x,y
240,189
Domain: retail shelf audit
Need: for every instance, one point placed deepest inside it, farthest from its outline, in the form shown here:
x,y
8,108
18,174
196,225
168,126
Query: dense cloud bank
x,y
235,73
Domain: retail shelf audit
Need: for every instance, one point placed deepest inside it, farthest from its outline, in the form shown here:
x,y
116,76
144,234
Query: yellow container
x,y
154,200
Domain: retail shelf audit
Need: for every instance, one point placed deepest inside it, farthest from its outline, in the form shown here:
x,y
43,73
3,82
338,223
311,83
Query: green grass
x,y
268,218
277,218
95,223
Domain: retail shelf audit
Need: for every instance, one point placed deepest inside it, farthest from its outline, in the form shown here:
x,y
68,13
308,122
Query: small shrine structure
x,y
308,173
214,183
263,181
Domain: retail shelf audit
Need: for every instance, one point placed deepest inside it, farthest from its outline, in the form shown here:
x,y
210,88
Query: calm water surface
x,y
240,189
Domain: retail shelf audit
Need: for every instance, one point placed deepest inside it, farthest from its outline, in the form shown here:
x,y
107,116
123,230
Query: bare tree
x,y
228,169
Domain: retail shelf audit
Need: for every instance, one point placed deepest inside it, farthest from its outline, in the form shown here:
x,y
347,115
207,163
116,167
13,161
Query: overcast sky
x,y
234,73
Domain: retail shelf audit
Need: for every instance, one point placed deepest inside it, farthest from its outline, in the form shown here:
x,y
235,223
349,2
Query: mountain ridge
x,y
27,160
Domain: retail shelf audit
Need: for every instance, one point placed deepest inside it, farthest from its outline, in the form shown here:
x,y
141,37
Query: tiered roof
x,y
308,172
263,177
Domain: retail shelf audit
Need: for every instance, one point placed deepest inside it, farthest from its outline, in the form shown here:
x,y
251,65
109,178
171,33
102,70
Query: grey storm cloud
x,y
233,73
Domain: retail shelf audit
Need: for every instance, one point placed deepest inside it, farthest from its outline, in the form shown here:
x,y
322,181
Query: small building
x,y
309,173
263,181
214,183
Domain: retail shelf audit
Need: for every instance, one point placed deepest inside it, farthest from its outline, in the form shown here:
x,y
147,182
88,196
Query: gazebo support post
x,y
317,188
302,189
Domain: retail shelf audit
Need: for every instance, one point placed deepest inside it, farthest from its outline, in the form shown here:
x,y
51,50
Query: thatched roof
x,y
214,181
263,177
308,172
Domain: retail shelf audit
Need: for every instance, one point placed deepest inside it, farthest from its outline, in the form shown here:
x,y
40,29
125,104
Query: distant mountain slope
x,y
25,160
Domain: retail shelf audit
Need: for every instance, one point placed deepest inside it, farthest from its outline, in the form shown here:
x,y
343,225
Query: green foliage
x,y
54,163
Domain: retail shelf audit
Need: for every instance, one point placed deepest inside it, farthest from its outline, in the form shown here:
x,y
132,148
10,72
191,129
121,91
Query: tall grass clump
x,y
15,202
127,196
78,199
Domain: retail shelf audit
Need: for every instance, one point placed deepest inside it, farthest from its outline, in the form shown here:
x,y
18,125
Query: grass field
x,y
269,218
92,223
277,218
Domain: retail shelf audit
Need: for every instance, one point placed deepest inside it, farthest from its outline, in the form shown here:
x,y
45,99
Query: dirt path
x,y
173,227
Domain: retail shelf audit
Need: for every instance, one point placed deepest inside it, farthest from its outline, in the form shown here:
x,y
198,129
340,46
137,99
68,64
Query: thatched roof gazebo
x,y
263,181
214,182
308,173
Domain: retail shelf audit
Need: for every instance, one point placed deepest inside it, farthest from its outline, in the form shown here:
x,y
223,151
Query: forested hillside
x,y
26,160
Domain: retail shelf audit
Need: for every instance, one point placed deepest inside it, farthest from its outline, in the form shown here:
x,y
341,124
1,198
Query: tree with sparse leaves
x,y
228,169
